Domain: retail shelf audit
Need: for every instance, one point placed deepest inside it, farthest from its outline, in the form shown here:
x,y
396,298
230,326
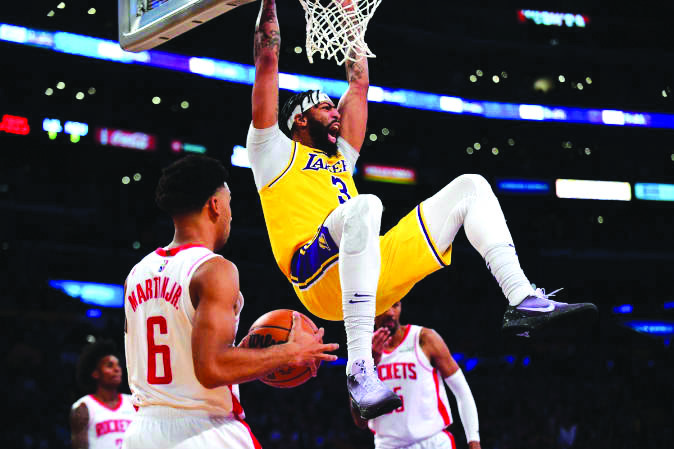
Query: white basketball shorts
x,y
441,440
169,428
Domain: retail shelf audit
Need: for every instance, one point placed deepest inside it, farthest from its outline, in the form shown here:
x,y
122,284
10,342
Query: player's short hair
x,y
88,362
186,184
288,108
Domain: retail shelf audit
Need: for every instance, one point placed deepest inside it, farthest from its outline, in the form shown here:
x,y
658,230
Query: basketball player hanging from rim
x,y
325,236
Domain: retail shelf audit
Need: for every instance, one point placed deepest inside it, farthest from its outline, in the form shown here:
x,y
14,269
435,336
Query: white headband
x,y
308,102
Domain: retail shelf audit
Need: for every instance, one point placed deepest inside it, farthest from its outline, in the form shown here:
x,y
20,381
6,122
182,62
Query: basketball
x,y
273,328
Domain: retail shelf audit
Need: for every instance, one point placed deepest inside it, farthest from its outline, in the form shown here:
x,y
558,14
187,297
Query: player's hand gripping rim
x,y
310,349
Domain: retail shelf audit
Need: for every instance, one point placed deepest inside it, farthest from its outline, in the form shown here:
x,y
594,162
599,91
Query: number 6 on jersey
x,y
154,350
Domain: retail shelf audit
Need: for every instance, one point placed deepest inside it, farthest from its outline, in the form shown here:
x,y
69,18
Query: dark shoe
x,y
538,310
369,394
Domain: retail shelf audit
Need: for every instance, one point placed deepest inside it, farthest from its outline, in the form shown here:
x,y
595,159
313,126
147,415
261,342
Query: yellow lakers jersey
x,y
299,199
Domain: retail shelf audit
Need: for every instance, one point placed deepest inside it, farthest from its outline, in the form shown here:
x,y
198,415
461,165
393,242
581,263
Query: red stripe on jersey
x,y
173,251
236,405
441,406
451,438
189,273
114,409
407,331
256,444
237,410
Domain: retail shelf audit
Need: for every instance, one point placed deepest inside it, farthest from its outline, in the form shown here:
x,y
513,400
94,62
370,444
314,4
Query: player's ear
x,y
300,120
214,205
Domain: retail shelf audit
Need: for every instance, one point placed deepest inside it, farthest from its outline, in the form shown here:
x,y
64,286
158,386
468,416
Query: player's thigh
x,y
446,210
365,208
408,254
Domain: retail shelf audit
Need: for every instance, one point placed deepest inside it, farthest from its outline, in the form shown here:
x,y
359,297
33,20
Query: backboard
x,y
144,24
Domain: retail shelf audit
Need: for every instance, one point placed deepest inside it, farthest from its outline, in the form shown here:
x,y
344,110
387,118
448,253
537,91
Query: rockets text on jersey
x,y
425,408
107,424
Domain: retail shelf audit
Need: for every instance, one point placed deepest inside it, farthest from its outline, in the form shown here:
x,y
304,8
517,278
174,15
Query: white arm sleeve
x,y
349,153
269,152
466,403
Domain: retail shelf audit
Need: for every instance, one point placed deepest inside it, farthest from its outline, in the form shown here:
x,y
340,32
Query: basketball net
x,y
337,31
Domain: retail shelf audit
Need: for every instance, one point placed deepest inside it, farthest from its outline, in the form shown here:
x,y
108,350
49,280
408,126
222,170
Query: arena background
x,y
72,210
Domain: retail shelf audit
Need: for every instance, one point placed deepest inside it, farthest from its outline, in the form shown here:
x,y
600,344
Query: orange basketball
x,y
273,328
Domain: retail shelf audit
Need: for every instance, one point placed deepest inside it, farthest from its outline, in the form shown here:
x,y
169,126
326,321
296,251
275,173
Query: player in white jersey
x,y
413,361
99,419
182,306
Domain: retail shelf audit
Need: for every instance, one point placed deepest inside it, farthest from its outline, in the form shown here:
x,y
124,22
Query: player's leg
x,y
355,226
469,201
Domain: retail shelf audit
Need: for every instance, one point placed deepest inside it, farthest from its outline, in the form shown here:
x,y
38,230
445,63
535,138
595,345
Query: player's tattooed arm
x,y
356,66
266,43
79,421
353,104
357,71
267,33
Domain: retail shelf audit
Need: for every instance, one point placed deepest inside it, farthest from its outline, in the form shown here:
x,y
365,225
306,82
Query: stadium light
x,y
108,50
104,295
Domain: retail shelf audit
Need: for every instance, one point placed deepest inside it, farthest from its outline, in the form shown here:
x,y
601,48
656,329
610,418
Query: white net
x,y
336,28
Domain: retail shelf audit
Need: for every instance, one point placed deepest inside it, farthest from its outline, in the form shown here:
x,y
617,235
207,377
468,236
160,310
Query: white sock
x,y
359,325
359,265
505,266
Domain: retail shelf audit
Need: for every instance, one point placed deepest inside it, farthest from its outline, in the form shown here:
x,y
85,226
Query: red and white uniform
x,y
175,410
425,413
107,424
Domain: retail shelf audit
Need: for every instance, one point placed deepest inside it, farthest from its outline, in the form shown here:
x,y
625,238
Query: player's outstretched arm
x,y
267,43
353,104
79,421
438,353
214,290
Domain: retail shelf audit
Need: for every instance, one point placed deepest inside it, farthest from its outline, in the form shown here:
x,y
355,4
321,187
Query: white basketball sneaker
x,y
369,394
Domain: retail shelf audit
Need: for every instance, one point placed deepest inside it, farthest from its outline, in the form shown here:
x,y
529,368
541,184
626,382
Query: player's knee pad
x,y
362,222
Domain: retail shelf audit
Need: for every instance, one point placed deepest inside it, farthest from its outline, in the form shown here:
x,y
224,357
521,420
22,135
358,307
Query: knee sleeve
x,y
481,185
361,223
473,185
469,201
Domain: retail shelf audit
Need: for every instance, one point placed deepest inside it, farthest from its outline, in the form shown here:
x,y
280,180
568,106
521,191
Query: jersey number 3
x,y
337,182
153,350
